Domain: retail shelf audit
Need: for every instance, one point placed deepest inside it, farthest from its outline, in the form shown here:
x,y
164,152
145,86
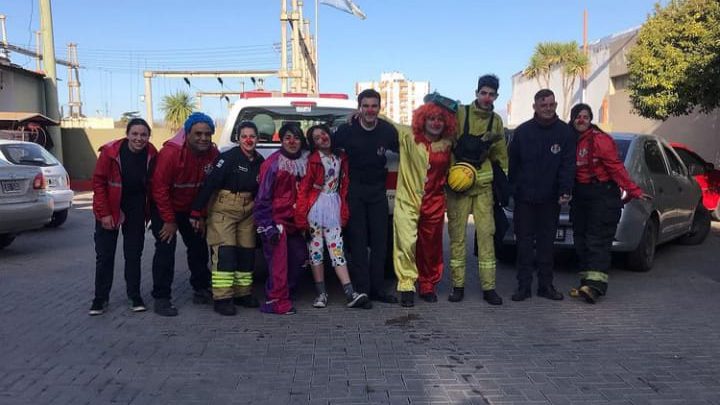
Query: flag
x,y
347,6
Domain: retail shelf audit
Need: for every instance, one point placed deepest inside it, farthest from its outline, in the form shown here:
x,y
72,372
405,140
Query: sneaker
x,y
225,307
457,295
589,293
357,300
291,311
367,305
137,305
429,297
98,307
320,301
203,296
550,293
407,299
164,307
521,294
492,297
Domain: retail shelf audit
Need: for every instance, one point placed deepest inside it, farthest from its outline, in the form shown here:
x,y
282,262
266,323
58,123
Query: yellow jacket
x,y
478,123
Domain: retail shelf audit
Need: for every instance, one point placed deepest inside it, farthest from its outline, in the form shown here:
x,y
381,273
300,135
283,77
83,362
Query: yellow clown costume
x,y
419,214
487,132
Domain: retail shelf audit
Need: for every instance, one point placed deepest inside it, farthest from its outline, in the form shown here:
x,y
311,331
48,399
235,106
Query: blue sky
x,y
448,43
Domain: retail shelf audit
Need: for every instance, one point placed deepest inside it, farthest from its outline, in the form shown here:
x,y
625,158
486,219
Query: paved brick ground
x,y
655,340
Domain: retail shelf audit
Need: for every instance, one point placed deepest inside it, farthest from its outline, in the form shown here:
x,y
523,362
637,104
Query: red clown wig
x,y
430,110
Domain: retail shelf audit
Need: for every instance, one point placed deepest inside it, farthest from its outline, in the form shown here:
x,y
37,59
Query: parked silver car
x,y
675,212
58,181
24,204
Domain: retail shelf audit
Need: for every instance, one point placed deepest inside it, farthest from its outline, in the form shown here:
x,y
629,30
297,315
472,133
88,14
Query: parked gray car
x,y
24,202
675,212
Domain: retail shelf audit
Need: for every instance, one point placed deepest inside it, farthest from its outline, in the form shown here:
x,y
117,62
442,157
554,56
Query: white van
x,y
270,110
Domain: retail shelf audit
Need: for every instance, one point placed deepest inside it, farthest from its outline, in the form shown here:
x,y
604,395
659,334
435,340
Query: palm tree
x,y
549,56
177,107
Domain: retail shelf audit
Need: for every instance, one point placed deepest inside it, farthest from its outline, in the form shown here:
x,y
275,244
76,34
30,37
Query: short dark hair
x,y
246,124
490,80
137,121
293,128
543,93
309,132
368,93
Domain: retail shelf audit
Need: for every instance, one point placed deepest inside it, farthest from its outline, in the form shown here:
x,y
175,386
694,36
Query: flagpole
x,y
317,52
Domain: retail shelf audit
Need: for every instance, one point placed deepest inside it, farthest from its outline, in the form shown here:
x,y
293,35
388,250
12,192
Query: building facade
x,y
400,96
606,92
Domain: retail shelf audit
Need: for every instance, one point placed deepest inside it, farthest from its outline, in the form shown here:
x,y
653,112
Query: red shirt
x,y
597,157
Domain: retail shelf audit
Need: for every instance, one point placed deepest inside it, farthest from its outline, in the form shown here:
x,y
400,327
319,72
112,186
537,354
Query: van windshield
x,y
28,154
270,119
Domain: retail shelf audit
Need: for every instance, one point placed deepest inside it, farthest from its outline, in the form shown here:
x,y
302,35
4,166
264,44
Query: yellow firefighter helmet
x,y
461,177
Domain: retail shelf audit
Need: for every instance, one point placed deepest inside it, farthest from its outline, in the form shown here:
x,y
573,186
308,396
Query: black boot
x,y
492,297
521,294
247,301
429,297
550,293
458,293
225,307
407,299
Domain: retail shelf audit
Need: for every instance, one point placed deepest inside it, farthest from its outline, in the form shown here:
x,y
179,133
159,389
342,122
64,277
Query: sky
x,y
448,43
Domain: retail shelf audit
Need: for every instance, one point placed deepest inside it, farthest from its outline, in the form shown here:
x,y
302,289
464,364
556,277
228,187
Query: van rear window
x,y
270,119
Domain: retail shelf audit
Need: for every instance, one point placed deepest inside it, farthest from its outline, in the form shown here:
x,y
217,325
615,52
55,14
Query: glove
x,y
272,233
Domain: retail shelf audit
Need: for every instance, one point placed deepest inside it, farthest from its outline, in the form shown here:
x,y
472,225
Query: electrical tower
x,y
74,100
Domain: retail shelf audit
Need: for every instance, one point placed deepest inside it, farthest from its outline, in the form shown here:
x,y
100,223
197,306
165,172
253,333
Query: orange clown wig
x,y
432,110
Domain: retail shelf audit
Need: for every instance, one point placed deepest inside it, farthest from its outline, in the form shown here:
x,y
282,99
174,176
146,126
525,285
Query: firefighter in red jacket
x,y
120,200
181,167
597,204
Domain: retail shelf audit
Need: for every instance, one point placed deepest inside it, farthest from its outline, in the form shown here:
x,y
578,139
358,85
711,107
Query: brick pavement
x,y
655,340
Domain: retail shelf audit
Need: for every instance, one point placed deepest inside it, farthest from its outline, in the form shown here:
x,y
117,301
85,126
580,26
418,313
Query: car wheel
x,y
642,258
6,239
700,227
58,218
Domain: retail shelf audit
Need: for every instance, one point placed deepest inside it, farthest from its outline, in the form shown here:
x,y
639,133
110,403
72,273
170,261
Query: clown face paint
x,y
582,121
248,141
321,139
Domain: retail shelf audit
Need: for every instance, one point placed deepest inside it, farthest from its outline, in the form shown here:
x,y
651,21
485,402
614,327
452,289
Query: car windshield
x,y
28,154
270,119
623,145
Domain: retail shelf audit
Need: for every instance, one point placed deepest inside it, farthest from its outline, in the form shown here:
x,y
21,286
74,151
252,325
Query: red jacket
x,y
107,181
312,184
178,175
605,165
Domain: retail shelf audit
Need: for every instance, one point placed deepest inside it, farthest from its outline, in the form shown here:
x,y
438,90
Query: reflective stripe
x,y
486,264
187,185
593,275
243,278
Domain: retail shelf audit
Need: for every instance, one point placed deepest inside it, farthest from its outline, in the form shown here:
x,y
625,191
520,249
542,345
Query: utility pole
x,y
5,53
583,94
38,51
74,100
51,96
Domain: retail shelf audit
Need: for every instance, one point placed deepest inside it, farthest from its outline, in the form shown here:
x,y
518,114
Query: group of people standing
x,y
327,192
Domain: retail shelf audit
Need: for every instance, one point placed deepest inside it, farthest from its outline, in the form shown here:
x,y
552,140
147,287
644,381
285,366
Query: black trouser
x,y
595,212
535,230
164,259
133,229
367,227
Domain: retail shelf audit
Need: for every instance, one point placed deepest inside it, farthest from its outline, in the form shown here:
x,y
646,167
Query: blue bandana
x,y
197,117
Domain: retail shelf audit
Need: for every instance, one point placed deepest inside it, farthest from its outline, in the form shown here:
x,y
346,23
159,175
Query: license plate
x,y
560,234
10,186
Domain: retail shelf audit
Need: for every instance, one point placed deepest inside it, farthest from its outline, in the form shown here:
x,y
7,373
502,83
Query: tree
x,y
128,115
675,66
549,56
177,107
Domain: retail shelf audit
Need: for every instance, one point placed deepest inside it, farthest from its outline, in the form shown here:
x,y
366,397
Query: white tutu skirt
x,y
326,211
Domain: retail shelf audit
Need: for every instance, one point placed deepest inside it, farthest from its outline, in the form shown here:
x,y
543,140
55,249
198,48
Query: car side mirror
x,y
696,169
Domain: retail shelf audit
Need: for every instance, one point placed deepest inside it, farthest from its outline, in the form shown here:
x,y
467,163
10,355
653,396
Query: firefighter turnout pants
x,y
595,211
231,237
459,207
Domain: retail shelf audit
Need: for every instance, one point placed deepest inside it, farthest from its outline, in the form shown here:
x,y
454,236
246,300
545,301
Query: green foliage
x,y
177,107
549,56
128,115
675,66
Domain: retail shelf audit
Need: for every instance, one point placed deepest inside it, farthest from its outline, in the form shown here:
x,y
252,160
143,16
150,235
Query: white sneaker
x,y
321,301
